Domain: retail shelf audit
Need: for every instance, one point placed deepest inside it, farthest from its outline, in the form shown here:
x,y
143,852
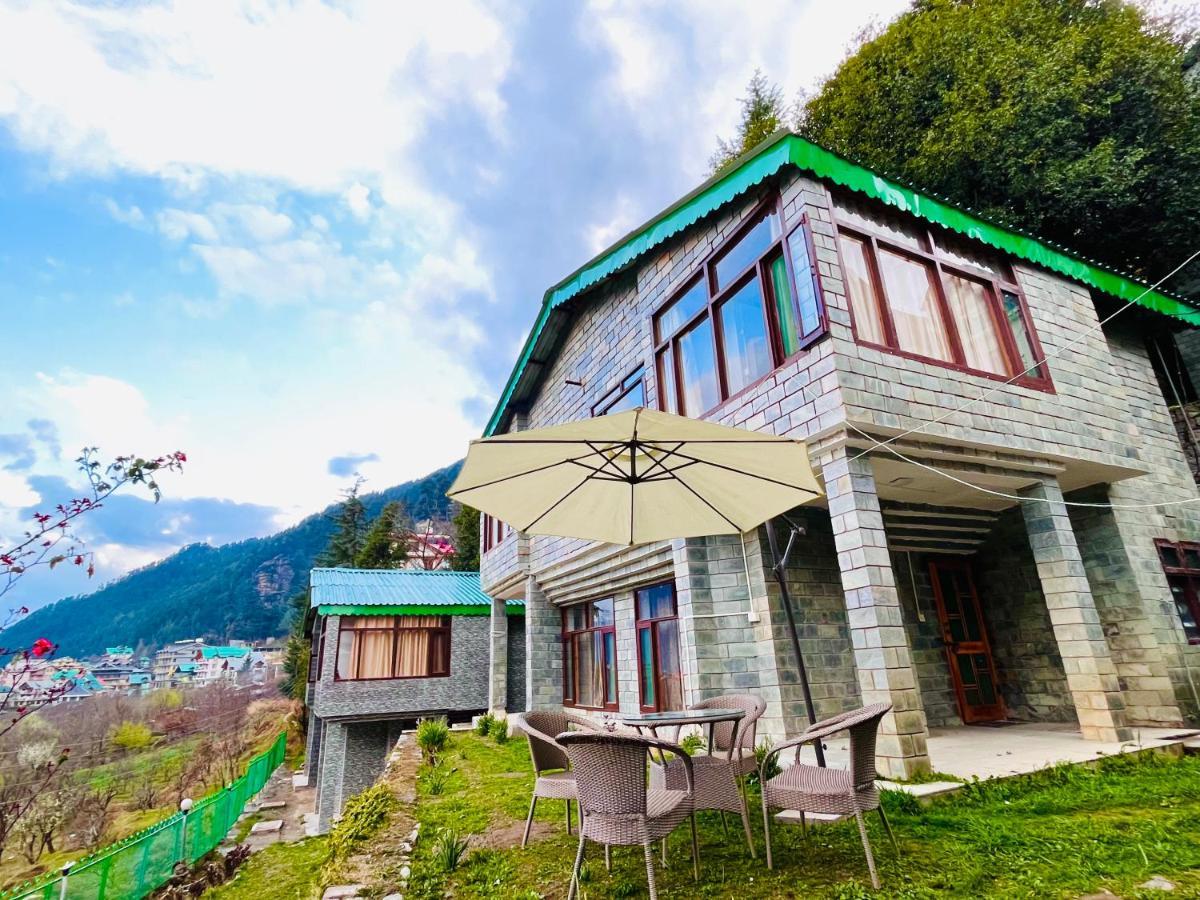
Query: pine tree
x,y
466,540
298,650
763,113
347,541
386,543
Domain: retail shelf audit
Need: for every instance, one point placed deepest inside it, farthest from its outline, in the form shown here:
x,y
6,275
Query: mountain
x,y
234,591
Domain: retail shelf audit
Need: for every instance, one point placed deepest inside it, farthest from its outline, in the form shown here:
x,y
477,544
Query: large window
x,y
629,394
372,647
1181,562
752,304
660,675
494,531
919,292
590,655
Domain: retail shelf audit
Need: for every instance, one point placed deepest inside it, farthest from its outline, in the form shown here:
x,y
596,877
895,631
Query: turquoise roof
x,y
139,677
186,667
224,652
457,592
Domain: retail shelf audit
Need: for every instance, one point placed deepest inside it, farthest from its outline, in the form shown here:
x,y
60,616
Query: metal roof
x,y
337,591
781,150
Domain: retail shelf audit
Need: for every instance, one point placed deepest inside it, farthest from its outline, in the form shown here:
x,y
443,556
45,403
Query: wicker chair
x,y
742,755
810,789
615,806
553,778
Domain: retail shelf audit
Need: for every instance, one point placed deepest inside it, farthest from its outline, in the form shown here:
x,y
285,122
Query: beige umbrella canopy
x,y
635,477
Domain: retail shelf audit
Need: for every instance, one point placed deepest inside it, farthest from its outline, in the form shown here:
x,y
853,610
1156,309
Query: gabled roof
x,y
400,592
785,149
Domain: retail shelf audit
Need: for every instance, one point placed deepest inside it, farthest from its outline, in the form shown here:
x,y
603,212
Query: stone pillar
x,y
881,651
543,649
329,777
498,659
1091,674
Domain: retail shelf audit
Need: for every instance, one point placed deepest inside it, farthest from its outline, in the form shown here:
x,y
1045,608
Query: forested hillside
x,y
233,591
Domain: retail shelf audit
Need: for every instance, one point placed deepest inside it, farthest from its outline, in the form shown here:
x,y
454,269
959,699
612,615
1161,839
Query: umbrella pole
x,y
777,568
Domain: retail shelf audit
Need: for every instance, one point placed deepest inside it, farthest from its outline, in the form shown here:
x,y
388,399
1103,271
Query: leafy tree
x,y
297,650
131,736
350,533
1070,118
763,113
386,543
466,540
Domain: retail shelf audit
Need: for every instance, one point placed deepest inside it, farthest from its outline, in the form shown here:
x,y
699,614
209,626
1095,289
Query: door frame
x,y
969,714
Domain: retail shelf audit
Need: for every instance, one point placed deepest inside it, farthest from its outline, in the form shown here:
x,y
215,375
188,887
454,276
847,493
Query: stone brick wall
x,y
925,638
515,676
353,756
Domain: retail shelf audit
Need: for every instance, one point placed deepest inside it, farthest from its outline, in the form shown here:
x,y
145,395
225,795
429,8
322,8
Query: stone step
x,y
342,892
1192,746
925,792
273,804
267,827
793,817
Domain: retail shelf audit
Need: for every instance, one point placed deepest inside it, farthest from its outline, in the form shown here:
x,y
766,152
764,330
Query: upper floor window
x,y
1181,563
371,647
494,531
629,394
934,296
590,655
753,303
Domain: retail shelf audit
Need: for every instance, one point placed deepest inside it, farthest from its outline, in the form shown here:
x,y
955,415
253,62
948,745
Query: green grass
x,y
281,872
1061,833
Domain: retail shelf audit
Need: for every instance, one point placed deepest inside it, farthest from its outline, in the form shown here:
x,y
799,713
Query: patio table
x,y
716,781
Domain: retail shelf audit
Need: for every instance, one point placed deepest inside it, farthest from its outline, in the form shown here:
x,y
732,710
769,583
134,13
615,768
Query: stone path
x,y
282,809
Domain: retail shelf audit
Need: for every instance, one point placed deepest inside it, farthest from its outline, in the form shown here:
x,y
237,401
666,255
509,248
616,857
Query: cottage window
x,y
1181,563
932,296
494,531
751,305
660,674
629,394
590,655
372,647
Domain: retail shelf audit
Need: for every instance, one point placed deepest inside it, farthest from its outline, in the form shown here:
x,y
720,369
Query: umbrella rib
x,y
707,503
608,460
556,503
658,461
560,462
716,465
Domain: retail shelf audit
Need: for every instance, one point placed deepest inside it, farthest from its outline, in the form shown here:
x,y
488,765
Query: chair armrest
x,y
675,750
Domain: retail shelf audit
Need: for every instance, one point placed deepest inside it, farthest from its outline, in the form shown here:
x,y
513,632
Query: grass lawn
x,y
1061,833
280,872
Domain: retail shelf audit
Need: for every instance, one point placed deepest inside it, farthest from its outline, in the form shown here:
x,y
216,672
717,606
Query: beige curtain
x,y
861,289
912,299
412,656
374,654
972,309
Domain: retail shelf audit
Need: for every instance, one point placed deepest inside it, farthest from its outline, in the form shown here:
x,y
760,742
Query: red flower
x,y
42,647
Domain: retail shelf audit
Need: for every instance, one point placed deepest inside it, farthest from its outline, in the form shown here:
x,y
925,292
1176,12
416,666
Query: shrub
x,y
435,779
483,725
499,731
760,753
432,735
693,743
131,736
449,849
365,813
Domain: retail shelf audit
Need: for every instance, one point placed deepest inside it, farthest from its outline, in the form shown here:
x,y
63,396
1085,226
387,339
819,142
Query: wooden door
x,y
967,650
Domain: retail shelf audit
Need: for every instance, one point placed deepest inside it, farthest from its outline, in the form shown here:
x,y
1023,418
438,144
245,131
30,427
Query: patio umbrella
x,y
641,476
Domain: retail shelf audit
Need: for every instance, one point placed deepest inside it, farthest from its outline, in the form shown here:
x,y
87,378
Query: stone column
x,y
543,649
498,659
330,774
1091,674
881,651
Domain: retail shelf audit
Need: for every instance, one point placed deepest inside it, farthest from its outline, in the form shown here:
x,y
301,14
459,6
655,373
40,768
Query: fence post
x,y
185,807
62,884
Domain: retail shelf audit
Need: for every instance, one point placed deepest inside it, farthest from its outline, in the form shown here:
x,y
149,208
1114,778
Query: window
x,y
629,394
316,650
660,675
372,647
494,531
590,655
933,296
1181,562
751,305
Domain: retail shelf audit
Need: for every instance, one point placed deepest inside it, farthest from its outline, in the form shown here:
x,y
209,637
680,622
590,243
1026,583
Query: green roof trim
x,y
784,149
511,607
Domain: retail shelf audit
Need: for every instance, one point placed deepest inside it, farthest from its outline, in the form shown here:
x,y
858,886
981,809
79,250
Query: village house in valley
x,y
389,647
802,295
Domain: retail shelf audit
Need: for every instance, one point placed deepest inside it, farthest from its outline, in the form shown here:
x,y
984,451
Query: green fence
x,y
143,862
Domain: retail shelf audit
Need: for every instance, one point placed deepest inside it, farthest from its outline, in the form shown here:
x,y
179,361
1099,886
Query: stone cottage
x,y
390,647
1010,529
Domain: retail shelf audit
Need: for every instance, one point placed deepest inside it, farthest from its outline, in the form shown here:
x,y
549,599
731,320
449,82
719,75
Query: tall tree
x,y
763,113
386,543
466,540
1070,118
351,533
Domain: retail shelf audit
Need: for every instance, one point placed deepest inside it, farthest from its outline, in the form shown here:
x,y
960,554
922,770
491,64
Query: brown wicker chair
x,y
741,755
615,805
810,789
553,778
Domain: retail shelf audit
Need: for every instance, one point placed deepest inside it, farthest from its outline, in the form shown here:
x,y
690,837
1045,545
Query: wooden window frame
x,y
705,271
319,631
997,285
443,629
493,532
651,625
568,635
1192,586
626,386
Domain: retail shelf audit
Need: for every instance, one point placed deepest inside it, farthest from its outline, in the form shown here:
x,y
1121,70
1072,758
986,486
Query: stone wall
x,y
353,757
515,676
925,638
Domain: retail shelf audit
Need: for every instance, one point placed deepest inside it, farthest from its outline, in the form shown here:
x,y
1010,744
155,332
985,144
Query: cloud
x,y
131,216
343,466
18,450
358,200
178,225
